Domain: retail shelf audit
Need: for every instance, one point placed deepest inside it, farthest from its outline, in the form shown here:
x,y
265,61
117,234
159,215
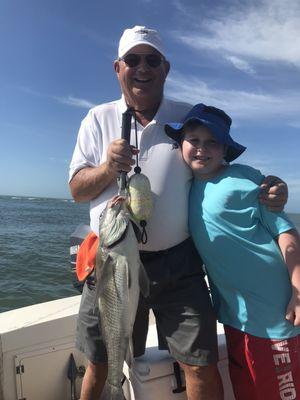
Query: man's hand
x,y
274,193
119,156
88,183
293,310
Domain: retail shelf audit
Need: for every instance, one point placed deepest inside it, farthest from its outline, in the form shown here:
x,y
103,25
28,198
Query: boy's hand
x,y
274,193
293,310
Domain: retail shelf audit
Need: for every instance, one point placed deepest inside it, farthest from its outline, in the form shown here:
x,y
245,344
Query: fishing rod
x,y
125,134
138,186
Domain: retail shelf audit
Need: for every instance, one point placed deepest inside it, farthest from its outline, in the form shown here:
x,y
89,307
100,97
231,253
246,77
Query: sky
x,y
56,62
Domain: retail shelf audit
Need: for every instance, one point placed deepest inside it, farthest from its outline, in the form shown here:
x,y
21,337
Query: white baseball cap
x,y
139,35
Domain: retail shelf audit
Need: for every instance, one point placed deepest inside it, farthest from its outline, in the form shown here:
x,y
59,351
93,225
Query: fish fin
x,y
144,281
118,231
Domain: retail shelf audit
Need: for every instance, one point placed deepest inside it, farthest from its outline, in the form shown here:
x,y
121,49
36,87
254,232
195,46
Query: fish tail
x,y
114,392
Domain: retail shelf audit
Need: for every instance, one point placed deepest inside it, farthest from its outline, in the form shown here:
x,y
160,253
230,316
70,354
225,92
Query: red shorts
x,y
263,369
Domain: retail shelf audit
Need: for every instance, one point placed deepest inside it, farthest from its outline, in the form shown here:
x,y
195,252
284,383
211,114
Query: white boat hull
x,y
35,347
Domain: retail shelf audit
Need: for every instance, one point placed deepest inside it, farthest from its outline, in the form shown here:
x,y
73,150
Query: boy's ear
x,y
225,150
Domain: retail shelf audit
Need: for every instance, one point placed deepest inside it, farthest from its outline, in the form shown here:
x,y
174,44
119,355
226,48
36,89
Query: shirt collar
x,y
159,118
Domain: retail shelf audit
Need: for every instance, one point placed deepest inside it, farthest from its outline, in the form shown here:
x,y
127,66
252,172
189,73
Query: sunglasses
x,y
133,60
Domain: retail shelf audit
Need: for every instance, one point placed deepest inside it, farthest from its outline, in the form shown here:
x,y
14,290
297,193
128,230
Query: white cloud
x,y
75,102
68,100
267,30
295,124
240,64
181,8
238,103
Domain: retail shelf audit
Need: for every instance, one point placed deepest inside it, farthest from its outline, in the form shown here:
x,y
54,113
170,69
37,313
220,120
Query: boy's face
x,y
202,152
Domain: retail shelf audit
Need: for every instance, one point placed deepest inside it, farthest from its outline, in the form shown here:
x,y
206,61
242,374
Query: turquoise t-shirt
x,y
235,236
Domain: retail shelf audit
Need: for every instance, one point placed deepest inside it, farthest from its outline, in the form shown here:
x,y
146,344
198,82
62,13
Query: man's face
x,y
142,85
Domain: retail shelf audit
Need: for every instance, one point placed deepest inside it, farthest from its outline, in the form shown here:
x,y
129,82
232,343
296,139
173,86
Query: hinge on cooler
x,y
20,370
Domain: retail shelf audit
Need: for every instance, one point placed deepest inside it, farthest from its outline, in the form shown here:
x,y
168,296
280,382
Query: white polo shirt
x,y
169,176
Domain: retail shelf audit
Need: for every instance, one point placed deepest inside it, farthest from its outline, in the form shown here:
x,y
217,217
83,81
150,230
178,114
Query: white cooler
x,y
152,376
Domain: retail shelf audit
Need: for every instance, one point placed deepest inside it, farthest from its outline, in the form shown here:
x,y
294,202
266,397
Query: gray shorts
x,y
179,298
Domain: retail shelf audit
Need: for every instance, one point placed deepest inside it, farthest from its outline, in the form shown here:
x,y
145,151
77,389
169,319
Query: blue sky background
x,y
56,63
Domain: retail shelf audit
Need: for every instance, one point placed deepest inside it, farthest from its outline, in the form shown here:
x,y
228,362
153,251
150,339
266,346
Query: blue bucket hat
x,y
213,118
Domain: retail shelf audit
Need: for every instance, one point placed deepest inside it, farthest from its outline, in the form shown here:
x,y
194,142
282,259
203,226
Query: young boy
x,y
252,258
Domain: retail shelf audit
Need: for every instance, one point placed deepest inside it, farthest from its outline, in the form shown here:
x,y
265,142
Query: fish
x,y
120,277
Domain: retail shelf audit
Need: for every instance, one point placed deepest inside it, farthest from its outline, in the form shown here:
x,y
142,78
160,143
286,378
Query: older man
x,y
179,296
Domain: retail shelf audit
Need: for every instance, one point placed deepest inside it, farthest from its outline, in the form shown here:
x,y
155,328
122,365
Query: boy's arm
x,y
274,193
289,243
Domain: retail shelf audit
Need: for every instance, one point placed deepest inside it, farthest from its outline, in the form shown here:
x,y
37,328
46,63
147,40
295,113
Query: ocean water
x,y
34,249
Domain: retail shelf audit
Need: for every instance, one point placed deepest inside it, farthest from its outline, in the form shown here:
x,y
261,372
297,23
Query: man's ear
x,y
167,67
117,66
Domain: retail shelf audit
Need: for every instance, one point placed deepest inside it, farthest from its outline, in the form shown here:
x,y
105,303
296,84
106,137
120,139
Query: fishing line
x,y
137,170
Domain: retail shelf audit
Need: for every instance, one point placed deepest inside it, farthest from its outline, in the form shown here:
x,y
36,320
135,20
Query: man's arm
x,y
89,182
274,193
289,243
